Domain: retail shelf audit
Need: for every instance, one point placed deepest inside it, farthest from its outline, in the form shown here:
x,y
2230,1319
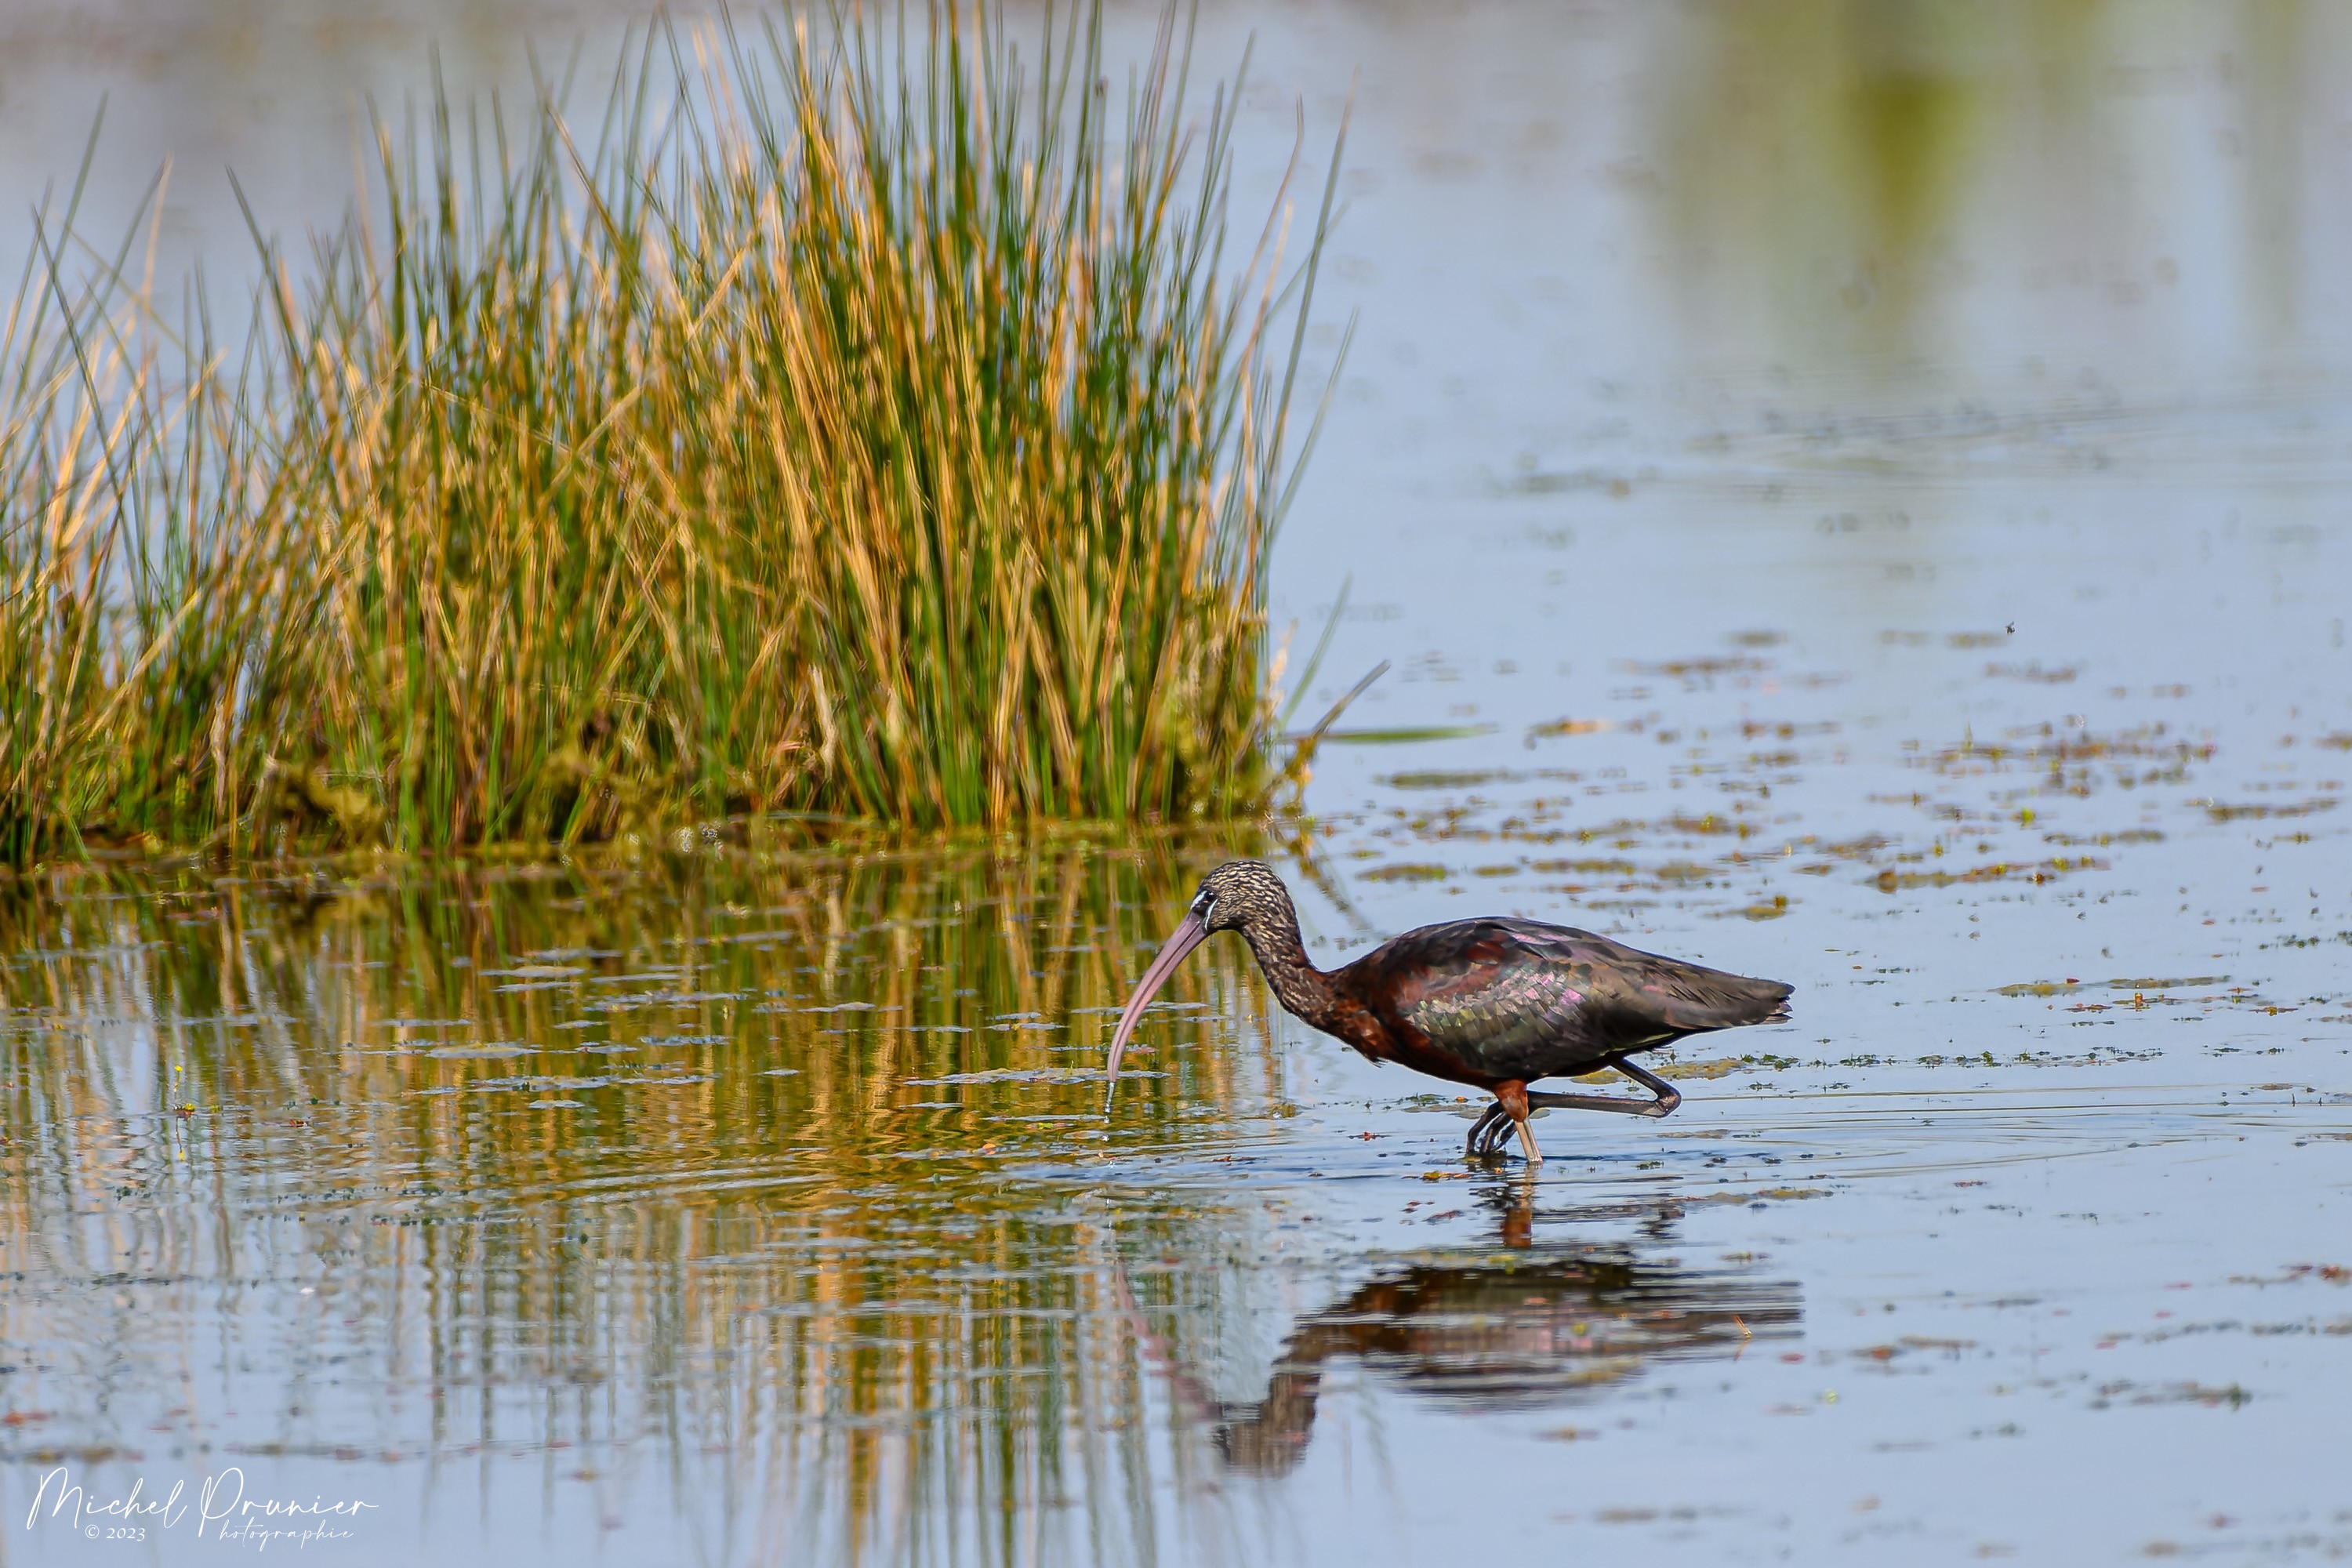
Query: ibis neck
x,y
1304,991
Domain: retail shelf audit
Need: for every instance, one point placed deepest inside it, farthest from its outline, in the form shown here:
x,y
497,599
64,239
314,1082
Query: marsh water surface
x,y
1852,493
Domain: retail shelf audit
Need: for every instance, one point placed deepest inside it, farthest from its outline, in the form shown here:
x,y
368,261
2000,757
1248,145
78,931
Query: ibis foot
x,y
1474,1147
1509,1116
1497,1137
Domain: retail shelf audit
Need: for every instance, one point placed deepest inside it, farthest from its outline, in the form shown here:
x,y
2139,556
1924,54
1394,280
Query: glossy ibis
x,y
1497,1002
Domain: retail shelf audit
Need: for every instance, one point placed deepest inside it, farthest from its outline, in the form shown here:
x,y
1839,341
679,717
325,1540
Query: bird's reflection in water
x,y
1547,1325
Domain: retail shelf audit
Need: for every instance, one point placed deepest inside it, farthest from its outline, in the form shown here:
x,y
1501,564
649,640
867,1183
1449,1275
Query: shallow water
x,y
1862,485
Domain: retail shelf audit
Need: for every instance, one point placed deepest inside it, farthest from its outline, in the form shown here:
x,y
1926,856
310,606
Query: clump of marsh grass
x,y
875,426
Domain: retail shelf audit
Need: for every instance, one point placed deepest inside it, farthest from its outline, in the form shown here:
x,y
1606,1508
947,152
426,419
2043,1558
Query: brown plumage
x,y
1494,1003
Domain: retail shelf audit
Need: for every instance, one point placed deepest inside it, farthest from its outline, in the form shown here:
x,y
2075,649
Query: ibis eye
x,y
1205,906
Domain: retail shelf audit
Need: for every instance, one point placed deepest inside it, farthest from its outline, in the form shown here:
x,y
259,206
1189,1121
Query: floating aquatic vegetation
x,y
1771,908
1703,667
2220,812
2035,871
1585,867
1718,1066
1569,727
1415,872
1403,735
2067,987
1472,778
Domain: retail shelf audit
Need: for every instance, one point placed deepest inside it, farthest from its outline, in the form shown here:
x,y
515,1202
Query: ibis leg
x,y
1668,1095
1528,1140
1664,1105
1499,1134
1512,1099
1478,1130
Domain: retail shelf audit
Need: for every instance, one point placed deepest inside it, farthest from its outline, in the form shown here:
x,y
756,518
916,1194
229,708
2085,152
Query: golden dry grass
x,y
871,424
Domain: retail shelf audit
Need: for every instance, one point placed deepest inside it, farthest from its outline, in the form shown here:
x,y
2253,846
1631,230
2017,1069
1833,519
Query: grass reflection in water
x,y
750,1174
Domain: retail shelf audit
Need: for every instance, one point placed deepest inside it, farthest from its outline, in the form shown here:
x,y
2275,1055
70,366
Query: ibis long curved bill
x,y
1188,936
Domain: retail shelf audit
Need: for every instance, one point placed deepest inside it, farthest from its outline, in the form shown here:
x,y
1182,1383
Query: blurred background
x,y
2026,200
